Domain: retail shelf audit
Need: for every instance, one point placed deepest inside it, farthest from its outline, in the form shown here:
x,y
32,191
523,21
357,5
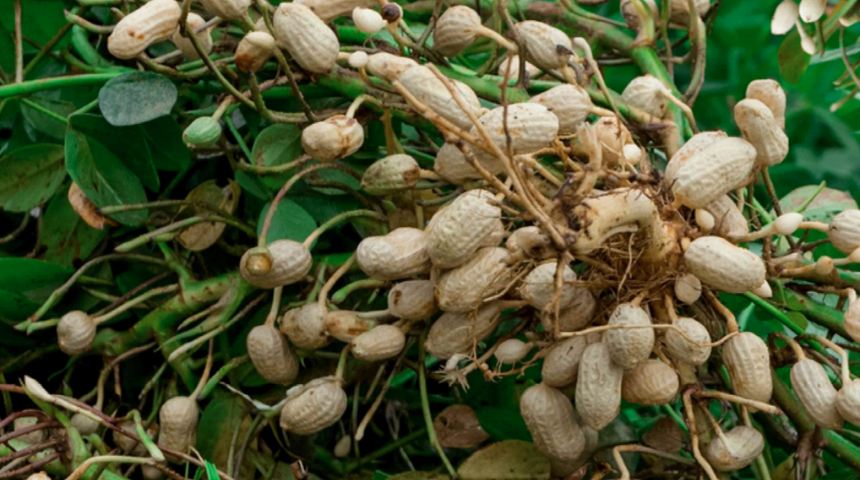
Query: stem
x,y
135,301
339,218
341,271
39,85
221,373
147,442
19,45
425,405
340,295
180,225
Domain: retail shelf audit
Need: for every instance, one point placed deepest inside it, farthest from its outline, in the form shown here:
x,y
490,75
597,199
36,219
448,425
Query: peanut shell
x,y
681,349
598,387
204,38
818,396
462,289
344,325
744,445
651,382
413,300
549,417
391,174
430,90
629,347
747,360
304,326
75,332
464,226
380,343
844,231
770,93
759,127
721,265
542,44
271,355
290,262
714,171
227,9
154,22
332,139
312,44
315,406
402,253
571,104
457,333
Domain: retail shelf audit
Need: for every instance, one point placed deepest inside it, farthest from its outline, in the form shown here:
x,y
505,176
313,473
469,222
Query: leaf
x,y
511,459
103,177
66,236
22,275
793,61
290,222
40,21
503,424
798,319
136,97
44,123
211,471
164,138
217,423
458,427
203,235
29,176
276,145
127,143
823,208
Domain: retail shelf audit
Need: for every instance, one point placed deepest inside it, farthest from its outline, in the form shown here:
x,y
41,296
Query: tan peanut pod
x,y
345,325
464,226
629,347
561,366
512,351
343,447
204,38
531,70
368,21
329,10
380,343
576,316
462,289
271,355
178,425
748,361
33,437
254,51
430,90
313,407
665,436
542,44
227,9
84,424
87,210
455,30
844,231
694,145
154,22
128,445
848,401
721,265
688,288
613,136
617,211
744,445
531,241
549,417
413,300
729,222
284,262
684,351
851,320
531,126
570,103
711,173
451,164
454,333
391,174
759,127
770,93
333,138
818,396
388,66
75,332
538,287
646,92
598,387
304,326
151,473
402,253
651,382
312,44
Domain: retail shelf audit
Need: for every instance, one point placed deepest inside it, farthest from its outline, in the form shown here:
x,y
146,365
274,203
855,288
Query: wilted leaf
x,y
29,176
66,235
665,435
85,209
203,235
290,221
458,427
136,97
511,459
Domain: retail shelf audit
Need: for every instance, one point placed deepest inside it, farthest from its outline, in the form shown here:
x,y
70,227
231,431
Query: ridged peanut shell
x,y
254,51
531,126
577,315
645,92
759,127
629,347
271,355
332,139
455,30
571,104
531,241
561,365
345,325
75,332
848,402
452,165
598,387
413,300
818,396
154,22
402,253
531,70
747,359
744,445
512,351
851,320
679,12
290,262
380,343
688,288
388,66
549,417
462,289
227,9
684,351
329,10
770,93
844,231
721,265
652,382
33,437
542,42
539,286
178,423
711,173
391,174
464,226
694,145
204,38
305,327
312,44
729,222
454,333
430,90
315,406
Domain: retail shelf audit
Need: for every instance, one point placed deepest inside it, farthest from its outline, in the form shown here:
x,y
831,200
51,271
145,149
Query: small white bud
x,y
632,153
784,17
824,265
705,220
367,20
812,10
358,59
763,290
787,223
343,446
37,389
855,256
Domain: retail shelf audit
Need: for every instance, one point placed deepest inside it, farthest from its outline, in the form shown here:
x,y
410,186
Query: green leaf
x,y
40,21
217,423
511,459
793,61
127,143
22,275
29,176
503,424
211,471
103,178
823,208
164,138
290,221
66,236
276,145
44,123
136,97
799,319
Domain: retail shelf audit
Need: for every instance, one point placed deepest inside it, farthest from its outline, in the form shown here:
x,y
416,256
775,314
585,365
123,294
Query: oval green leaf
x,y
290,221
29,176
136,97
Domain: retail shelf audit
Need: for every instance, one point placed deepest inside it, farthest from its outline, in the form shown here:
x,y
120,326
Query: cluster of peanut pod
x,y
594,260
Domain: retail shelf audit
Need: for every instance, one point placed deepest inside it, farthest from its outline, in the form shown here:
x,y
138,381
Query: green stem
x,y
180,225
147,442
425,406
50,45
221,373
388,448
339,218
34,86
44,110
340,295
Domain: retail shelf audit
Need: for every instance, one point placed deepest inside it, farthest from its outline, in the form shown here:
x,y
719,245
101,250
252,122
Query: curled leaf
x,y
458,427
87,209
203,235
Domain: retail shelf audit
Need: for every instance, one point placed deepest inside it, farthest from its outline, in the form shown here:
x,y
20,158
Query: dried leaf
x,y
87,210
511,459
458,427
203,235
